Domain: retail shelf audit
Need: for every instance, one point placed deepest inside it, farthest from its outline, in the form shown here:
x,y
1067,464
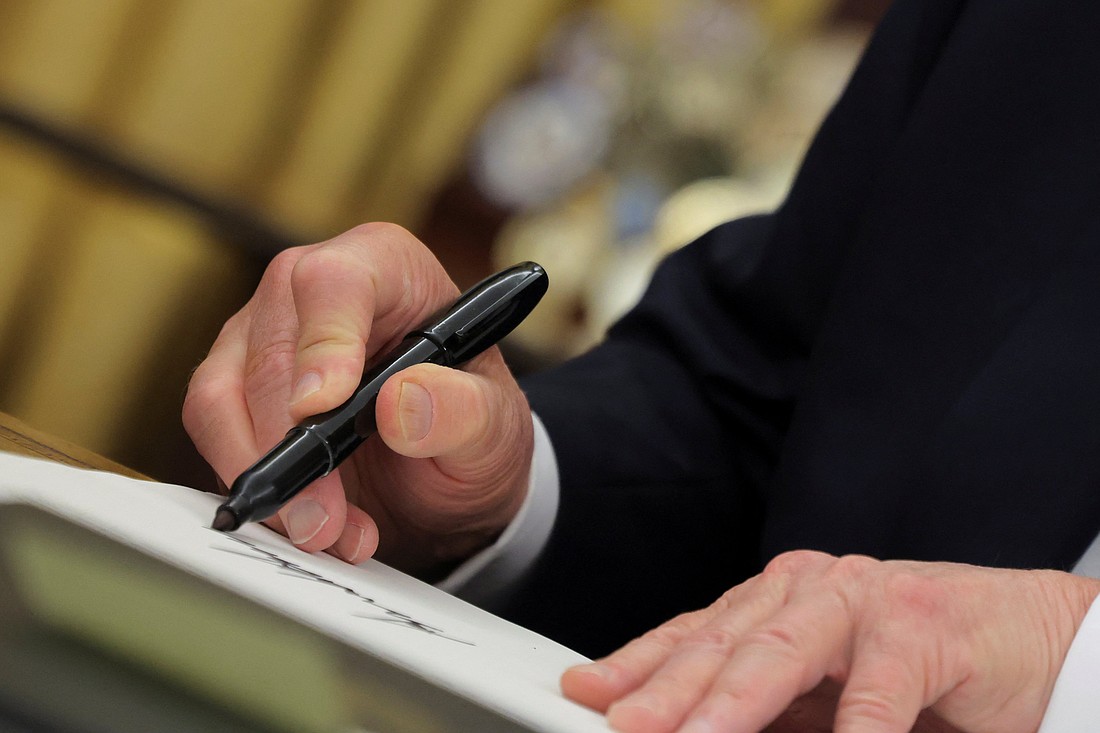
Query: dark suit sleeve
x,y
667,433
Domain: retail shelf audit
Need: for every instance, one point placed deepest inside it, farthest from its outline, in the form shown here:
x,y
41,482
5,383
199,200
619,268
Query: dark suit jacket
x,y
902,361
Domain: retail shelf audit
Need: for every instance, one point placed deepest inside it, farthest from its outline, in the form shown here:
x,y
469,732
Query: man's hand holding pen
x,y
448,468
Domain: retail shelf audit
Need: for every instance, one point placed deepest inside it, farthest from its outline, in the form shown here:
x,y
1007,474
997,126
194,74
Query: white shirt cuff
x,y
487,576
1074,705
1089,564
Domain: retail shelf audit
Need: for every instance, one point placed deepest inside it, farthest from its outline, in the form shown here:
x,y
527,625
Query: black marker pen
x,y
479,318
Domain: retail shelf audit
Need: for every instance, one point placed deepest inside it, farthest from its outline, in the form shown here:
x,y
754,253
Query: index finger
x,y
353,295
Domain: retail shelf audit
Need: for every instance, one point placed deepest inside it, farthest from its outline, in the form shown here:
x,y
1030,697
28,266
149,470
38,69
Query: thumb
x,y
467,420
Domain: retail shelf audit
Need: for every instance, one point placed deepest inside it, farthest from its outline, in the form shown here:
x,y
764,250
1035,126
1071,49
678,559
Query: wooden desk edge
x,y
18,437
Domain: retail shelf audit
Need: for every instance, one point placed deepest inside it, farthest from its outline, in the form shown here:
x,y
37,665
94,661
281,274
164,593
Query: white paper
x,y
386,613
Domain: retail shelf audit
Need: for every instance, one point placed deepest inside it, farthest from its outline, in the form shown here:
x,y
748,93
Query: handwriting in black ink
x,y
293,569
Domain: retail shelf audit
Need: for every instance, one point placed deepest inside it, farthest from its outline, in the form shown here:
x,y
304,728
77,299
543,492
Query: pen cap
x,y
487,312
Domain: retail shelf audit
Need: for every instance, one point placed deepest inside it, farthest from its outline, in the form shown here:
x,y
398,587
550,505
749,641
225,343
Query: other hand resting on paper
x,y
448,468
980,647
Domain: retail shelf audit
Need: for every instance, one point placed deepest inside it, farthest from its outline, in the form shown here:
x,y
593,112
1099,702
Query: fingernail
x,y
307,384
648,705
350,543
595,669
414,410
304,520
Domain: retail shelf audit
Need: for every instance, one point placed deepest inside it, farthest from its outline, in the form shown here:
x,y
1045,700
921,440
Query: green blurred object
x,y
96,636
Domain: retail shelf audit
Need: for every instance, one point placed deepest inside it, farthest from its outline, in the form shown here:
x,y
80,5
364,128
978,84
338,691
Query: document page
x,y
371,607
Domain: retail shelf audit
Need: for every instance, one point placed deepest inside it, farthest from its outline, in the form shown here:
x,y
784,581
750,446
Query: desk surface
x,y
18,437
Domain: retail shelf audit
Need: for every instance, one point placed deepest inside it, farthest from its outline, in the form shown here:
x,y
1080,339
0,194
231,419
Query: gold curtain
x,y
306,116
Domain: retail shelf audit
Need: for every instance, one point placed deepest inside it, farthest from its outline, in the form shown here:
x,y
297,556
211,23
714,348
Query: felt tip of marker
x,y
225,521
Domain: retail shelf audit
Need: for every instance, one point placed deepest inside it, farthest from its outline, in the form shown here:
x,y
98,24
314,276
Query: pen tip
x,y
225,521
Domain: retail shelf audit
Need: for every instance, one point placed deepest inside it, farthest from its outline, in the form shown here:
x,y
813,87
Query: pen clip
x,y
487,312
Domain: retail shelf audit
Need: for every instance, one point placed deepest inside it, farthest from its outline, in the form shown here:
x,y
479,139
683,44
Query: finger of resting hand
x,y
884,692
691,666
813,712
780,659
604,681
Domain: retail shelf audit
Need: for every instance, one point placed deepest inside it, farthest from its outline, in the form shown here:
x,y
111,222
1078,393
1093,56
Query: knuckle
x,y
851,568
726,701
684,623
712,639
320,266
792,562
193,414
665,636
394,242
203,387
777,641
380,230
726,601
328,339
283,263
206,394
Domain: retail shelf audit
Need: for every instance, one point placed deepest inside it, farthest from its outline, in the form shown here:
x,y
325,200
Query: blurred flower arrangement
x,y
627,144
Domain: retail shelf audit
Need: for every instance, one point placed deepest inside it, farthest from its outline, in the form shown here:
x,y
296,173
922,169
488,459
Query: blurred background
x,y
155,155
